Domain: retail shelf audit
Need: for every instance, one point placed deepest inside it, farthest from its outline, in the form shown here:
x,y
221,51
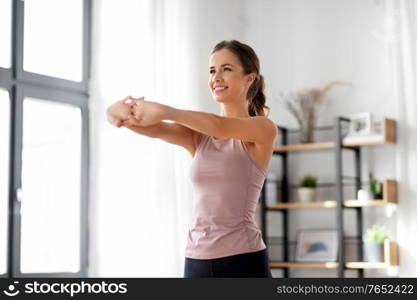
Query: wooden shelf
x,y
281,264
387,136
389,196
365,265
300,205
305,147
330,265
390,259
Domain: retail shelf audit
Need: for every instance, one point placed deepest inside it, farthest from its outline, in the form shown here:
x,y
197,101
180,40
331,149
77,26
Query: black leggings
x,y
252,264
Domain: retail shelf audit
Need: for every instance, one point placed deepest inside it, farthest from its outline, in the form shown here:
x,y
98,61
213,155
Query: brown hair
x,y
250,63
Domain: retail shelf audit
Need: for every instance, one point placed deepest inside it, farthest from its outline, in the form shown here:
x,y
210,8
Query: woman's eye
x,y
212,71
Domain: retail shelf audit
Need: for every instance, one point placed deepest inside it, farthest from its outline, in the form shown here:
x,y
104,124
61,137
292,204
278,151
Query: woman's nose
x,y
217,77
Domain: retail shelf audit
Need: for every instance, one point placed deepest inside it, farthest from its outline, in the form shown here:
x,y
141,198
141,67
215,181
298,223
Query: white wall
x,y
213,21
306,44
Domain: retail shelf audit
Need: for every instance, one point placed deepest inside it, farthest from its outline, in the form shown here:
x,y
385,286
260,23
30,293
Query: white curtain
x,y
401,33
141,196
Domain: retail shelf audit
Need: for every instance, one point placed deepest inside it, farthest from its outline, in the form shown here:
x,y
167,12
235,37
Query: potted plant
x,y
307,189
375,188
374,243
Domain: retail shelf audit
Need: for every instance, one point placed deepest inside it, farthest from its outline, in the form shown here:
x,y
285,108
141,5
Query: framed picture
x,y
361,124
316,246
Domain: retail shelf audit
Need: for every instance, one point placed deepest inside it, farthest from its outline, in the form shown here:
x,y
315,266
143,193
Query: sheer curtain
x,y
402,36
141,196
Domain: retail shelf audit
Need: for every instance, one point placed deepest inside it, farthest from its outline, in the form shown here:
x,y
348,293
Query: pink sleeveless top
x,y
227,184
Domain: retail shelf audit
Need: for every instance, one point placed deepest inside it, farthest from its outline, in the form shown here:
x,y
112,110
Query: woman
x,y
231,154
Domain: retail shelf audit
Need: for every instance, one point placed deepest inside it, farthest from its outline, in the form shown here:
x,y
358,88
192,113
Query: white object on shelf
x,y
364,138
390,208
306,194
363,195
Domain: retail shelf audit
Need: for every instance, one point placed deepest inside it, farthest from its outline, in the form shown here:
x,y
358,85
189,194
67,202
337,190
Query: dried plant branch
x,y
304,106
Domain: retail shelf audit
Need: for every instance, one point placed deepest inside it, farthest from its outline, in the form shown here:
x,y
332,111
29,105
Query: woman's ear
x,y
251,78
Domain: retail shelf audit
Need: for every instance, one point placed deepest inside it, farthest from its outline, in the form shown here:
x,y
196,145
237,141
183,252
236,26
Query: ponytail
x,y
256,98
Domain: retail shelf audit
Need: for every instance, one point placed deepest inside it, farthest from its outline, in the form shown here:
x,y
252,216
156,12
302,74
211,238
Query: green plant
x,y
308,181
376,234
375,187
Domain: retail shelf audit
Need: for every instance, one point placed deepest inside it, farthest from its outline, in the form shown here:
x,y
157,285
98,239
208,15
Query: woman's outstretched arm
x,y
148,113
257,129
206,123
120,114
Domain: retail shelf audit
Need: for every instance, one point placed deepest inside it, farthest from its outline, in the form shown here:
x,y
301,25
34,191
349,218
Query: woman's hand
x,y
122,111
148,113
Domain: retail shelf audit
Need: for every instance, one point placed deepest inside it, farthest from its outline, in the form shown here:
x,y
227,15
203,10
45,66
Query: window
x,y
51,160
53,40
4,176
5,33
44,97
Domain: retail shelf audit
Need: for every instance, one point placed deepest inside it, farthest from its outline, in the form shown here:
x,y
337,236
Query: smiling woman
x,y
231,156
228,174
236,65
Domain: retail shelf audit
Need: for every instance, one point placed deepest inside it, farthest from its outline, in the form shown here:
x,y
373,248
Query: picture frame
x,y
316,245
361,124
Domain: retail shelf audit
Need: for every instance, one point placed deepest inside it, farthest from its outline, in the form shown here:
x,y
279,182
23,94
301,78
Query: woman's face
x,y
227,81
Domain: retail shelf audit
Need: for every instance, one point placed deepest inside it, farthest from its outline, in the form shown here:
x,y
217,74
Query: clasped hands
x,y
136,111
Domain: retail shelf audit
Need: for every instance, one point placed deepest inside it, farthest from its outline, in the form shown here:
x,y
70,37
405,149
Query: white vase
x,y
374,252
306,194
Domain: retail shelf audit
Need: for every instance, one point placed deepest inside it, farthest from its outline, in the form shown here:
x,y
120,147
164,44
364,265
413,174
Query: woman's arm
x,y
119,112
206,123
153,131
172,133
149,113
258,129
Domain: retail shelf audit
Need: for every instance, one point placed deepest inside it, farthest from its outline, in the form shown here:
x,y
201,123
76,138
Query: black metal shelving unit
x,y
339,184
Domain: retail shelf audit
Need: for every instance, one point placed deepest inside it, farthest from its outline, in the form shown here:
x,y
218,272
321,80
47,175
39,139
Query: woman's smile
x,y
220,89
